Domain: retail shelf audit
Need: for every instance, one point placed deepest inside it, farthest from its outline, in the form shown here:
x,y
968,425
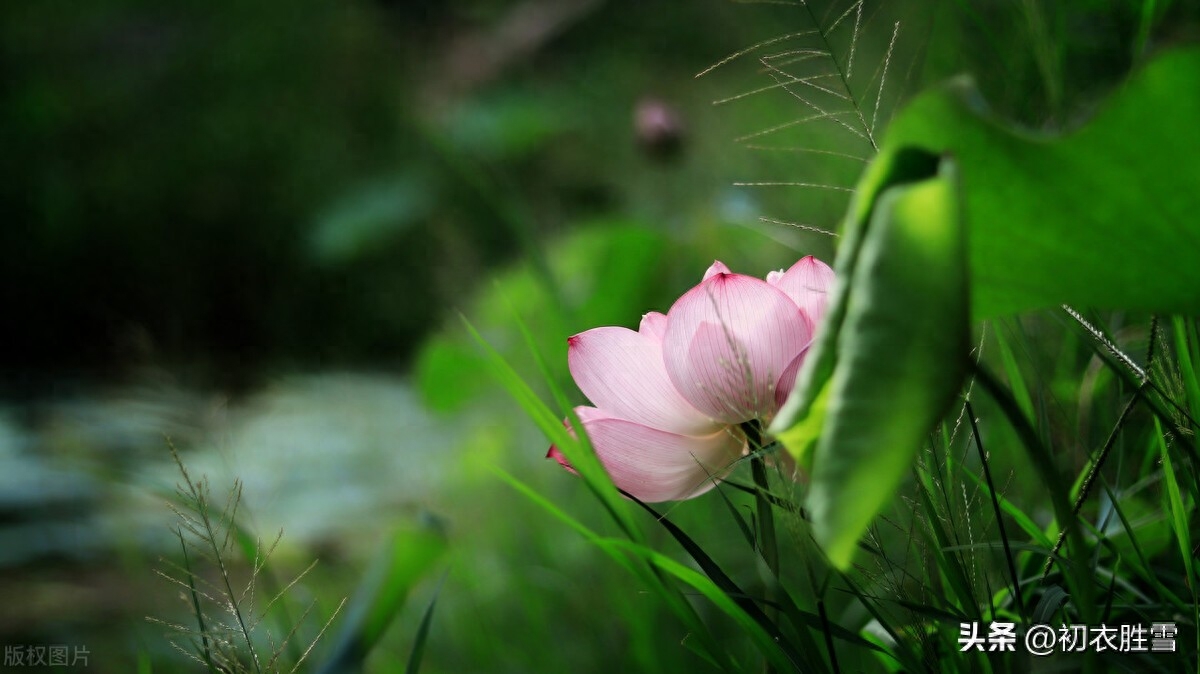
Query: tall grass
x,y
233,631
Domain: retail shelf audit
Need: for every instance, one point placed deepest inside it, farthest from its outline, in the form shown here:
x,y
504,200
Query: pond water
x,y
319,456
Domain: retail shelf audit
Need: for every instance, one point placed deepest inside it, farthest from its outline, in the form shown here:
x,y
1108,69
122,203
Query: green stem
x,y
767,542
987,476
1086,488
766,517
1075,570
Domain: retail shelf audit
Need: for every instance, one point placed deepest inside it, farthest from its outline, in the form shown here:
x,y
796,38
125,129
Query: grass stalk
x,y
987,476
1073,569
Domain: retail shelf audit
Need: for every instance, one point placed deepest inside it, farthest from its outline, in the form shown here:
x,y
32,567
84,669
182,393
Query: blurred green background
x,y
251,227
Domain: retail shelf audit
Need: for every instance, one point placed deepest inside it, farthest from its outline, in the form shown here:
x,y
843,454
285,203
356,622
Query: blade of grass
x,y
825,629
1142,565
1078,579
726,584
206,653
1052,599
1146,19
1160,412
1013,372
798,617
948,563
987,475
771,649
576,449
1085,487
1186,361
418,647
1180,520
401,563
766,516
911,662
709,648
1024,521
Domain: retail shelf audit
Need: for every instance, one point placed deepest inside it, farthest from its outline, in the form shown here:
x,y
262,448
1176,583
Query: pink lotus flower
x,y
670,397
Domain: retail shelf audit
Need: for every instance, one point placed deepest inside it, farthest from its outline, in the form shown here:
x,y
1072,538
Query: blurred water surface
x,y
320,456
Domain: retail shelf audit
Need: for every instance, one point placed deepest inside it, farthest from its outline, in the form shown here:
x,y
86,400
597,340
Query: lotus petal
x,y
622,372
809,283
728,343
655,465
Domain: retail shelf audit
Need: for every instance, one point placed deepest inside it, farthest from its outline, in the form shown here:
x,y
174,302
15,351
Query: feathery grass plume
x,y
836,76
230,634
